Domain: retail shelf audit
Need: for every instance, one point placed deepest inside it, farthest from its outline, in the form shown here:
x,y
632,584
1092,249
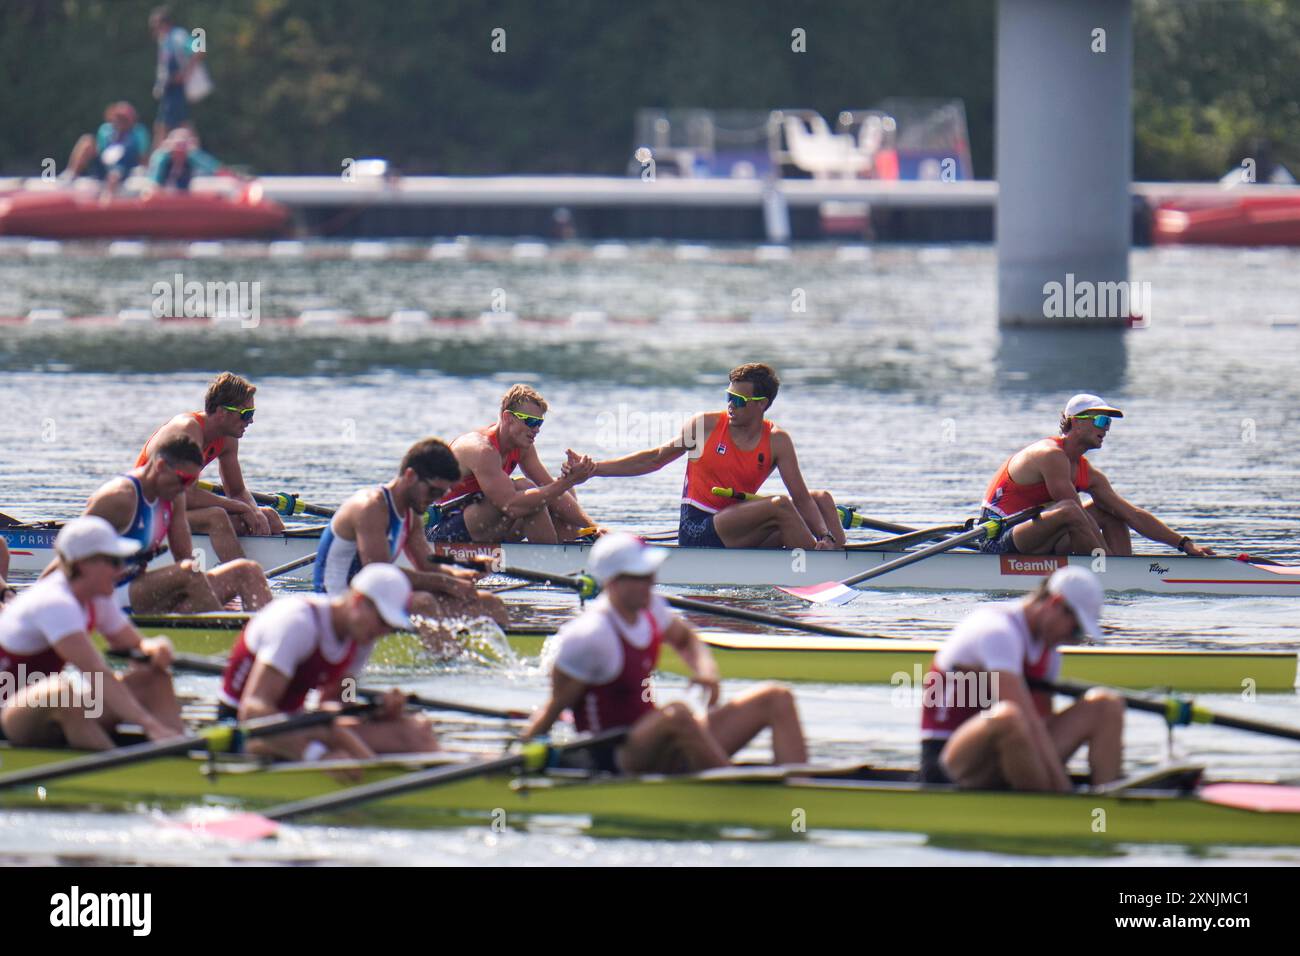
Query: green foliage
x,y
303,84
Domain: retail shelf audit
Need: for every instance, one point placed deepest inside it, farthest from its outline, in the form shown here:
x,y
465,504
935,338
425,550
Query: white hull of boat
x,y
31,550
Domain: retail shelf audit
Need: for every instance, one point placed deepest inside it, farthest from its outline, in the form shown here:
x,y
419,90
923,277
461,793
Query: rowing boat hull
x,y
847,660
31,550
762,799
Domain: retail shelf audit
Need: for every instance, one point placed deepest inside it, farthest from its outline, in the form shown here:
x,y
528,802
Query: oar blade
x,y
238,826
828,592
1260,797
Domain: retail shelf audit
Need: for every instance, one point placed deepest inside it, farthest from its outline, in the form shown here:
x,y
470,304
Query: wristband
x,y
1182,543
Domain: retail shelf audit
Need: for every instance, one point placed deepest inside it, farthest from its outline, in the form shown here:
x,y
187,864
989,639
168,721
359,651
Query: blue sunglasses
x,y
1101,421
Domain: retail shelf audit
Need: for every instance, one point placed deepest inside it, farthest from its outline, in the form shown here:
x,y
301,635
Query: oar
x,y
533,757
293,565
1177,711
842,592
284,503
216,667
216,739
586,586
900,541
848,518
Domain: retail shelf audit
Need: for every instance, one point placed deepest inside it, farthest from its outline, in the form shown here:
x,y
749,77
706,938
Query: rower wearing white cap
x,y
317,642
984,669
1053,472
48,627
603,668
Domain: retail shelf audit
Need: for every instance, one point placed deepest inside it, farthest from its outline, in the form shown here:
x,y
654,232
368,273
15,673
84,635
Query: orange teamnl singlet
x,y
721,464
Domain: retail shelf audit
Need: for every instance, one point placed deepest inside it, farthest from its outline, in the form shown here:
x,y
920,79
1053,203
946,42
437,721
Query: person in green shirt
x,y
120,145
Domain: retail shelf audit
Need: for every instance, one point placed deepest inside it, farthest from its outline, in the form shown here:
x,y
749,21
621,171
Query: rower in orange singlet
x,y
228,411
739,449
1053,472
488,504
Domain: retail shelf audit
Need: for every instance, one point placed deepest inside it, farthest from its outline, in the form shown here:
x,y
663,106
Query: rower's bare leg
x,y
173,588
738,722
274,523
82,153
750,523
35,717
671,740
826,505
1114,531
243,579
1097,719
1041,535
215,523
4,561
995,750
410,734
153,688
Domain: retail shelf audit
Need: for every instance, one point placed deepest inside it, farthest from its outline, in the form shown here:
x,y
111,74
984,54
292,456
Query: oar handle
x,y
293,565
533,757
214,666
1176,711
283,502
738,495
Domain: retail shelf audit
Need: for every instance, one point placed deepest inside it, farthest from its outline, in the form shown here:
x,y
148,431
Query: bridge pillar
x,y
1064,152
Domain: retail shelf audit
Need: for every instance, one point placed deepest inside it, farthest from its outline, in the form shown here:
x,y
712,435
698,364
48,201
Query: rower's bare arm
x,y
566,691
370,524
178,532
787,463
117,700
425,575
1139,519
1011,688
500,490
652,459
697,657
262,693
1055,468
158,649
238,498
114,502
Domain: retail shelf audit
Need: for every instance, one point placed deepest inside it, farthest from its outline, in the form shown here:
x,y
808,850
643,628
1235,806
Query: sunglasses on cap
x,y
1101,421
245,414
532,421
736,400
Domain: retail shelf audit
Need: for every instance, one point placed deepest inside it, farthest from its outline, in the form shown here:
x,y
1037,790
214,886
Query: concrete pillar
x,y
1064,153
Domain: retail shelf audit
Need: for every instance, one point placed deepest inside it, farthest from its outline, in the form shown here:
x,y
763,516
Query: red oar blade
x,y
238,826
828,592
1260,797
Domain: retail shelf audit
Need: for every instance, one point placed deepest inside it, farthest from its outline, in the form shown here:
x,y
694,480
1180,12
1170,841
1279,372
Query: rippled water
x,y
900,390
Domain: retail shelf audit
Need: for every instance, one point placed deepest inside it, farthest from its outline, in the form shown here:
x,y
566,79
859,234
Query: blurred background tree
x,y
302,84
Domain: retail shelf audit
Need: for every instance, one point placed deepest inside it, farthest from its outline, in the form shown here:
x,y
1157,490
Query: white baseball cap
x,y
1087,402
1083,593
90,536
620,553
389,590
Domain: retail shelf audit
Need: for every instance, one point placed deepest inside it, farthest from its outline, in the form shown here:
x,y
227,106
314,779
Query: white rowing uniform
x,y
294,635
43,615
995,637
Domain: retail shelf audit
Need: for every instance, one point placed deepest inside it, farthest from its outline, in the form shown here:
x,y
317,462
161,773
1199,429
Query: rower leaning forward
x,y
1053,472
321,643
488,504
985,726
382,522
147,505
47,629
738,449
228,408
603,669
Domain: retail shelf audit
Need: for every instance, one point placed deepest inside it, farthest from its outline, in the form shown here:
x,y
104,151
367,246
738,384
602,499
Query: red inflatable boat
x,y
160,215
1230,221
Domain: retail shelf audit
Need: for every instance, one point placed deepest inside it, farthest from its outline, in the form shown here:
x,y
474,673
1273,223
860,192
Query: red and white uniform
x,y
722,465
469,484
295,636
44,614
210,451
1008,497
994,638
615,660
